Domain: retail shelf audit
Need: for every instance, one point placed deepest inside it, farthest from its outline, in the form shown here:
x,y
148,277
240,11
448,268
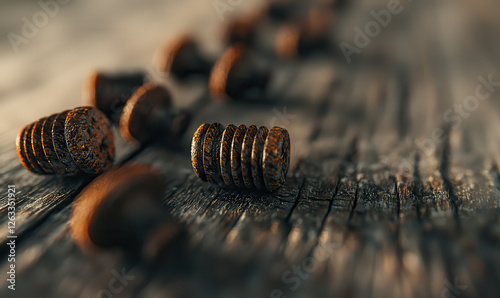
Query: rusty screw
x,y
122,209
241,156
235,75
110,92
305,37
182,58
244,29
149,116
68,143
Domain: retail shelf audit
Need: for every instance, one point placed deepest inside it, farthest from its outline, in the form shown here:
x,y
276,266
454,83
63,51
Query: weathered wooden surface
x,y
366,211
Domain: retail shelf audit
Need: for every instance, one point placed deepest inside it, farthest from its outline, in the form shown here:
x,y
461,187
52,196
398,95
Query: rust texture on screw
x,y
21,153
246,157
257,150
110,92
89,138
28,149
99,218
37,145
59,141
197,151
211,157
225,154
182,58
236,146
68,143
48,146
149,115
276,158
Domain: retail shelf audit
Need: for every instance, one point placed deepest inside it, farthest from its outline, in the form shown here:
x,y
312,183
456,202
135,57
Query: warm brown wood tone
x,y
385,195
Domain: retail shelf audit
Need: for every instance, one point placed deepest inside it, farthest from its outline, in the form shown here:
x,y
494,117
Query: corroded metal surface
x,y
247,157
257,150
21,153
147,115
276,158
59,142
236,147
197,151
89,139
36,143
28,149
67,143
48,146
211,156
225,154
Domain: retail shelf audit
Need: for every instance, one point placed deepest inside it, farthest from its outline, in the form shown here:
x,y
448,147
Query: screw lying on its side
x,y
68,143
149,116
110,92
182,58
122,209
243,156
235,74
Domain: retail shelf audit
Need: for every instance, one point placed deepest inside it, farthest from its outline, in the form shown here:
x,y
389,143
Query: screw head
x,y
235,74
182,58
108,211
149,115
276,158
110,92
89,139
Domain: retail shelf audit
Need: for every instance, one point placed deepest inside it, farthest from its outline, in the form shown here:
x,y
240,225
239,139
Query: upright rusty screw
x,y
182,58
68,143
235,74
242,156
149,116
110,92
122,209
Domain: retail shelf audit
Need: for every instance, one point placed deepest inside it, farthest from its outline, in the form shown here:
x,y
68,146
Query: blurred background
x,y
404,69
